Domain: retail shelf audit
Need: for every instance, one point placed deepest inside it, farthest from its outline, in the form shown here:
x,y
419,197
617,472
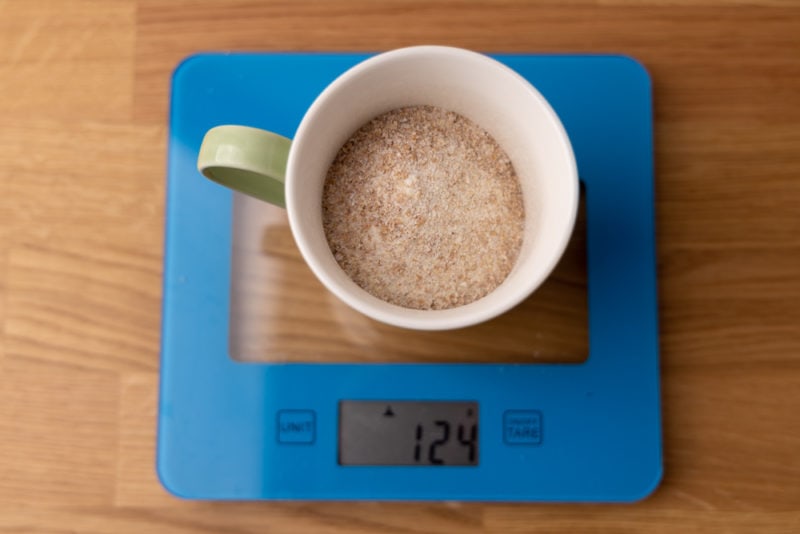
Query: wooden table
x,y
83,100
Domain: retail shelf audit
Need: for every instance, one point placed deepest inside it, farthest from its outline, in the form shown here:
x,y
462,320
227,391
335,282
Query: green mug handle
x,y
248,160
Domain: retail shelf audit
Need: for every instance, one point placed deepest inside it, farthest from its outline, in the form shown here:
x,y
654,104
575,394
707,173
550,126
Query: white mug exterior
x,y
483,90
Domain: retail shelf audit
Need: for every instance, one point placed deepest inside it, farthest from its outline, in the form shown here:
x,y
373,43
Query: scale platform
x,y
272,389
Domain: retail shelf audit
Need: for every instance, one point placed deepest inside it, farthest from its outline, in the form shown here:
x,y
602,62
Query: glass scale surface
x,y
272,389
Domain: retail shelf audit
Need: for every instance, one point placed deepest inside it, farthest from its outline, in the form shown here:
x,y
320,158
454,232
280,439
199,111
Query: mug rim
x,y
445,319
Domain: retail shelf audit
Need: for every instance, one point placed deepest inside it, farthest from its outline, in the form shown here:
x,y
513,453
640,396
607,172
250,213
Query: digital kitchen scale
x,y
416,430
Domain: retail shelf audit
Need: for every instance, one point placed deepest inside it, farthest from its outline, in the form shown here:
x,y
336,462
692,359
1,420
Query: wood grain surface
x,y
83,100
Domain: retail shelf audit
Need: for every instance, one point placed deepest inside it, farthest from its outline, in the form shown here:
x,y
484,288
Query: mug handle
x,y
248,160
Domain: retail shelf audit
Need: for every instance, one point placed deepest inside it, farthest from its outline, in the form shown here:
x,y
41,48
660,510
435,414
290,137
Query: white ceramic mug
x,y
292,172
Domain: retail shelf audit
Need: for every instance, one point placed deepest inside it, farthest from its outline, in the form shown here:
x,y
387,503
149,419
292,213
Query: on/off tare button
x,y
297,427
522,427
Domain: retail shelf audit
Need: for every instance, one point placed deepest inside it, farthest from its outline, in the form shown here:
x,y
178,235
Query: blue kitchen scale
x,y
587,431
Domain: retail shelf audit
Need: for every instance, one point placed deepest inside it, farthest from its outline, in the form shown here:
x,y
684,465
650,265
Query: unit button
x,y
297,427
522,427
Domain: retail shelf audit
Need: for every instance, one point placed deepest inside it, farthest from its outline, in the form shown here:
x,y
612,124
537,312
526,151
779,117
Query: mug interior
x,y
479,88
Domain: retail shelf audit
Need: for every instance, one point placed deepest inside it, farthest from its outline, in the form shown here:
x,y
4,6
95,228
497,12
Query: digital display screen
x,y
408,433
